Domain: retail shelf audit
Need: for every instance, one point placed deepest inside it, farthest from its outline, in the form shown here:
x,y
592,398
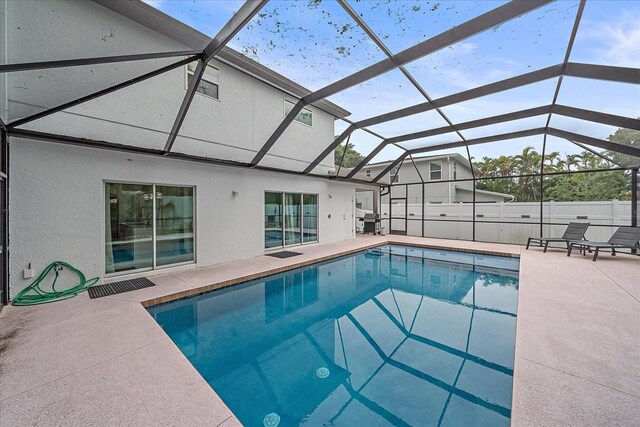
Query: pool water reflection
x,y
400,336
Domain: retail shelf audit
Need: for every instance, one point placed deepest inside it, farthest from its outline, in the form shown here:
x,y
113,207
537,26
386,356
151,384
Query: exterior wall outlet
x,y
28,273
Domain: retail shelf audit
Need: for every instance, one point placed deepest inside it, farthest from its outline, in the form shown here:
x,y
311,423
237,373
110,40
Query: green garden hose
x,y
35,294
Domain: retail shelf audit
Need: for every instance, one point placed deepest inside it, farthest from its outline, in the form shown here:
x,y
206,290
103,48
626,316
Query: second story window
x,y
304,116
435,171
395,175
210,80
455,170
368,173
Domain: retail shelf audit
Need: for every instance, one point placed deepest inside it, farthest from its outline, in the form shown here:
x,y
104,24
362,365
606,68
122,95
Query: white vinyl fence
x,y
518,221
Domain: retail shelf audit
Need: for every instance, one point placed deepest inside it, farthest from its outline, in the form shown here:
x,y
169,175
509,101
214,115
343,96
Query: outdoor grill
x,y
371,223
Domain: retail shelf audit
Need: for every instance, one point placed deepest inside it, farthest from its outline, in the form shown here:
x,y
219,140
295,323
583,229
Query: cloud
x,y
622,43
615,42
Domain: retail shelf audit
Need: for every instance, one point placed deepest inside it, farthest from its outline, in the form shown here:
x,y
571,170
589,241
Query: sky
x,y
316,42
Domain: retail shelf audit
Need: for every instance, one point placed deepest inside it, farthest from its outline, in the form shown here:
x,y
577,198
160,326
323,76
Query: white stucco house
x,y
431,169
117,213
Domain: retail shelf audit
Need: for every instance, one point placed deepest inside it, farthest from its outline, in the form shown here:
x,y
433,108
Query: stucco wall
x,y
57,205
234,127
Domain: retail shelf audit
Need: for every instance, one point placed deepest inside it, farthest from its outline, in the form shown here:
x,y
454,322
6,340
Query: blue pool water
x,y
392,336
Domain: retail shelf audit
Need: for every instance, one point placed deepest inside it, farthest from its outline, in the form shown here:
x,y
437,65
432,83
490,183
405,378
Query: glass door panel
x,y
174,225
292,219
128,226
310,218
272,220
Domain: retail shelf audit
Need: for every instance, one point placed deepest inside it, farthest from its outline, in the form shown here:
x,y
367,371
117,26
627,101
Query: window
x,y
290,219
368,172
435,171
395,175
147,226
304,116
209,82
455,171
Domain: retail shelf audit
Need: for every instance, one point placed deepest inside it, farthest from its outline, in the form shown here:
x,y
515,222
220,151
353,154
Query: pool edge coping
x,y
241,279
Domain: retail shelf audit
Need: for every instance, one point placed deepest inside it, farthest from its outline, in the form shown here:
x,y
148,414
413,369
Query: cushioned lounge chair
x,y
574,231
623,238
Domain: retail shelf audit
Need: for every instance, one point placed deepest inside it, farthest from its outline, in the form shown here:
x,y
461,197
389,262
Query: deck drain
x,y
119,287
271,420
322,372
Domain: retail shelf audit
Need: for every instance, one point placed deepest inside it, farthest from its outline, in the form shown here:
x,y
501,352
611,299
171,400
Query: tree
x,y
625,137
588,187
351,157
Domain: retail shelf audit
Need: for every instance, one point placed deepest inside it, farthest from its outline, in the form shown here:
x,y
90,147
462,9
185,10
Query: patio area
x,y
107,362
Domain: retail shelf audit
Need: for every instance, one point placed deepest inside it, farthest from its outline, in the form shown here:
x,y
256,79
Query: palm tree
x,y
573,160
529,163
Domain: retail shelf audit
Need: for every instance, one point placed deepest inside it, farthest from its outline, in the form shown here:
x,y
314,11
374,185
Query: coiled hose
x,y
35,294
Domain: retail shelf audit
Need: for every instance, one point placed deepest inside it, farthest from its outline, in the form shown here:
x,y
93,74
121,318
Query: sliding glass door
x,y
129,227
310,218
174,225
147,226
290,219
272,220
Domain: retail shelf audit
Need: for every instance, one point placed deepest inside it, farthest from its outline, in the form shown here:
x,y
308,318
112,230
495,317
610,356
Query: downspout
x,y
450,179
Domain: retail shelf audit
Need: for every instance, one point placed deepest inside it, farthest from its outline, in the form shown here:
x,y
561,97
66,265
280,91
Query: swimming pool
x,y
391,336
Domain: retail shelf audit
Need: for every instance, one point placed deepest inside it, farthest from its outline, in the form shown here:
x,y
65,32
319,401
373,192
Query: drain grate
x,y
284,254
119,287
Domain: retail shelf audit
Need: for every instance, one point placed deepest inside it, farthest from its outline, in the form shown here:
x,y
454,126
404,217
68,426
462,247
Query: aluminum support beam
x,y
593,116
578,113
231,28
467,95
511,83
594,152
517,115
477,141
279,131
597,117
567,54
10,68
600,143
391,166
373,36
105,145
463,31
100,93
336,142
367,159
531,112
603,72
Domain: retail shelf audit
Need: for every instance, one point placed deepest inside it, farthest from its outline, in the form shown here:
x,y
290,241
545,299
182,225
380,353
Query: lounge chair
x,y
574,231
623,238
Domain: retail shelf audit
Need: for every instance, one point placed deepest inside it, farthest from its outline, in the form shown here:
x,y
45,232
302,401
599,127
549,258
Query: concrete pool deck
x,y
106,362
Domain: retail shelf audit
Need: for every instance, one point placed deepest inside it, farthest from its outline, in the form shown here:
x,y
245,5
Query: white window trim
x,y
295,120
430,176
186,82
